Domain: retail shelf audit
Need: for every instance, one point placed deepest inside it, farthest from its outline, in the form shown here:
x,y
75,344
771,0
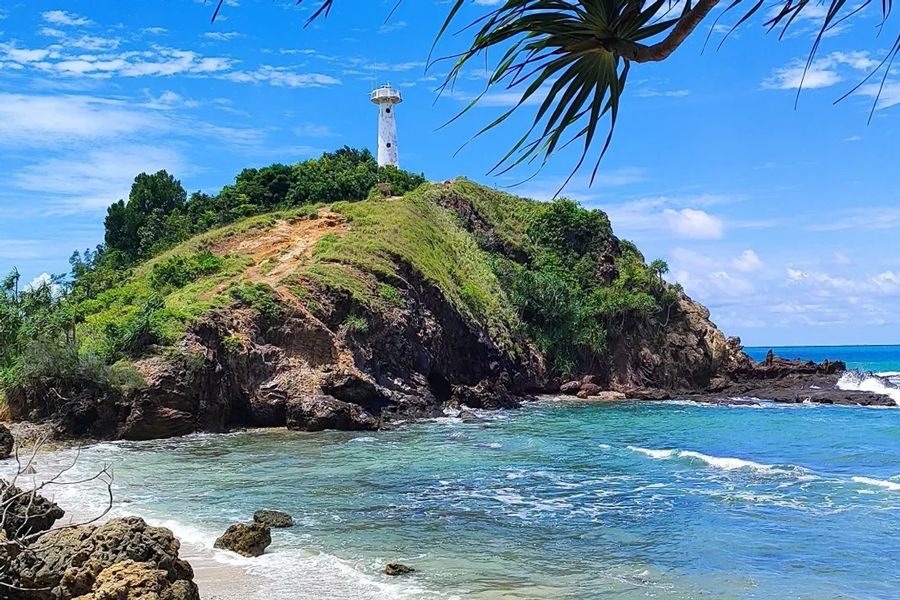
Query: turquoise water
x,y
879,359
664,500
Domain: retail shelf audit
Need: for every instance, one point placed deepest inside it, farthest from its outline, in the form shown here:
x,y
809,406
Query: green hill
x,y
399,303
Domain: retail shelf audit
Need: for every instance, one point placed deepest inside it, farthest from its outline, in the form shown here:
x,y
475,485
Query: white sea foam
x,y
882,483
866,381
654,453
725,463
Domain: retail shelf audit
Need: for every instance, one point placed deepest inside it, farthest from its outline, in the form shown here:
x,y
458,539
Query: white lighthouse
x,y
386,97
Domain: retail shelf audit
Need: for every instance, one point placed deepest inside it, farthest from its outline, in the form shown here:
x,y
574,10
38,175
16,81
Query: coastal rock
x,y
589,389
468,416
273,518
152,422
355,389
320,412
26,512
396,569
247,540
608,396
6,442
570,388
130,580
67,563
486,395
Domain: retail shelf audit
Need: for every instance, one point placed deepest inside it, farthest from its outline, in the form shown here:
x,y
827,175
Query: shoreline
x,y
861,390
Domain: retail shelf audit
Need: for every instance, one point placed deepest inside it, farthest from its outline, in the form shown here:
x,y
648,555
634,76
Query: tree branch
x,y
641,53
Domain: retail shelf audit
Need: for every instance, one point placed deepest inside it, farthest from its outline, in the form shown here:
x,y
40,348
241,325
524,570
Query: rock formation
x,y
396,569
246,540
129,580
75,562
6,442
25,512
273,518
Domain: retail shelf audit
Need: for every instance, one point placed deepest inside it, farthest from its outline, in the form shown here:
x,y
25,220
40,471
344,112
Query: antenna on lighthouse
x,y
386,98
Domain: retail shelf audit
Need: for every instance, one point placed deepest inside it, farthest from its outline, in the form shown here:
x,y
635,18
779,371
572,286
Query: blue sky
x,y
784,222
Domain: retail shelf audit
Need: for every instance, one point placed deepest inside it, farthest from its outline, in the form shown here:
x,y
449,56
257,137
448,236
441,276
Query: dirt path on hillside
x,y
281,250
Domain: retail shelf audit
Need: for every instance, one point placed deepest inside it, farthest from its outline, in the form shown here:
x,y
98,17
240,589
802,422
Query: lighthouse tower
x,y
386,97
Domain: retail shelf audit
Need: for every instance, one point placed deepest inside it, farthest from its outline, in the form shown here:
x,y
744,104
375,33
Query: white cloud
x,y
841,259
222,36
313,130
35,120
822,73
95,180
281,77
651,93
579,186
792,77
694,224
85,42
61,17
747,261
168,100
42,280
154,30
159,61
888,95
389,27
866,218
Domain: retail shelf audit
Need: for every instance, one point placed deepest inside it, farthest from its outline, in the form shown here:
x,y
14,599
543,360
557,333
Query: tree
x,y
577,55
138,226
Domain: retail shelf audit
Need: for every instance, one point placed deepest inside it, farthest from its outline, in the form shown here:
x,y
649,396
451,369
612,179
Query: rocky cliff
x,y
358,316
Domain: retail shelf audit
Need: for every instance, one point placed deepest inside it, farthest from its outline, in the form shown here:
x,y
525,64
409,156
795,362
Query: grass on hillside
x,y
415,231
365,263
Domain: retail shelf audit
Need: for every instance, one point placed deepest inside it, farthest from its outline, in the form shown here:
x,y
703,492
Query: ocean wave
x,y
725,463
866,381
882,483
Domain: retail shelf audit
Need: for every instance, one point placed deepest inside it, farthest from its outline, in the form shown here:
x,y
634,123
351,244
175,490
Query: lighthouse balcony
x,y
386,95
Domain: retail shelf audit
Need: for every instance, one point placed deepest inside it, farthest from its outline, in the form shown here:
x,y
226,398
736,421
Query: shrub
x,y
126,378
178,271
355,323
390,294
259,296
233,344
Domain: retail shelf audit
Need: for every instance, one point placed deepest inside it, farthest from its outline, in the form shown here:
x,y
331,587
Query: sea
x,y
559,499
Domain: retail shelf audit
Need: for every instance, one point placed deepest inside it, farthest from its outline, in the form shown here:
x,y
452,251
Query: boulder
x,y
273,518
352,388
26,512
468,415
606,395
247,540
570,388
589,389
395,569
130,580
6,442
596,379
316,413
152,422
68,563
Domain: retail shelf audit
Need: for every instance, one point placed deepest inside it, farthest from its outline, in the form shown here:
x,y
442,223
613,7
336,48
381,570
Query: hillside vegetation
x,y
333,238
